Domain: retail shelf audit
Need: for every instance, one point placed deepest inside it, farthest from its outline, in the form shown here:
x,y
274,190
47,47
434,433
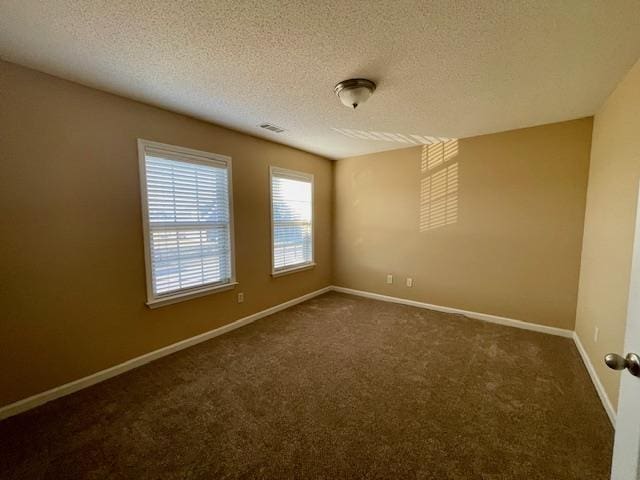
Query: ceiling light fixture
x,y
354,91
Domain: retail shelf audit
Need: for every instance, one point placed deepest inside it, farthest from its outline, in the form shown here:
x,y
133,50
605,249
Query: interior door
x,y
626,450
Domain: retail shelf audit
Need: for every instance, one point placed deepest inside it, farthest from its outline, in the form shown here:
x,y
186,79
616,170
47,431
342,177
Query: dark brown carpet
x,y
338,387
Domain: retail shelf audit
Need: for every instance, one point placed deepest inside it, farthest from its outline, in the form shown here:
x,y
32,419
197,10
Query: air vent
x,y
271,127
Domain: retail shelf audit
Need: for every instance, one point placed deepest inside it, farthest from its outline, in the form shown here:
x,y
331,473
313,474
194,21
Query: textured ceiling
x,y
443,68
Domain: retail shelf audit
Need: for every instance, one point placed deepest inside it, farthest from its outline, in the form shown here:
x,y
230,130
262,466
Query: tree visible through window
x,y
292,218
187,219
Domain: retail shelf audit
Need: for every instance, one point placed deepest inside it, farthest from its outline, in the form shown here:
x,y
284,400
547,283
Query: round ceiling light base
x,y
354,91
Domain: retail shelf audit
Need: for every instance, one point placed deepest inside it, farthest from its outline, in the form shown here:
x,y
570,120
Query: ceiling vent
x,y
271,127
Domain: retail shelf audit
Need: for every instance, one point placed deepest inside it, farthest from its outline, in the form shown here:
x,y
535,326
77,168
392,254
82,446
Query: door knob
x,y
631,362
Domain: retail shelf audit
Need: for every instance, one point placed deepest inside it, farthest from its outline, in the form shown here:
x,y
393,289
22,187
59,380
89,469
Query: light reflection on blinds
x,y
189,234
291,198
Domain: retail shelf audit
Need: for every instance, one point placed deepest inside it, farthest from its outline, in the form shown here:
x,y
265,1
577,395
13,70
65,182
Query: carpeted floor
x,y
339,387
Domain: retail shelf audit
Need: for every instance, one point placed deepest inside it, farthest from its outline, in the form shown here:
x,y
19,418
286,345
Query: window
x,y
292,220
188,222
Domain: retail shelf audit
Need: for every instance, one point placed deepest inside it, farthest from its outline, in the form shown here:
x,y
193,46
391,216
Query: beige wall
x,y
72,291
505,239
609,227
512,234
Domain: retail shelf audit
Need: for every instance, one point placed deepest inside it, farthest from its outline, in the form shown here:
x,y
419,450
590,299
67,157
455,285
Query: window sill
x,y
181,297
295,269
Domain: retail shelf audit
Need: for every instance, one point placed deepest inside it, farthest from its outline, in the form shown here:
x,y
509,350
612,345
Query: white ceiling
x,y
444,68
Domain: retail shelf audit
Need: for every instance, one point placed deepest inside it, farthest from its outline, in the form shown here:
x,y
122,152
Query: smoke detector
x,y
354,91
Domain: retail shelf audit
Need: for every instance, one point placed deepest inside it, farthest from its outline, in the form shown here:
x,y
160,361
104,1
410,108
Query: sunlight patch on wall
x,y
390,137
439,189
438,154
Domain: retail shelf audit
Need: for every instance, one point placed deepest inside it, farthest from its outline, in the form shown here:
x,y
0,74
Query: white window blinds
x,y
292,218
188,219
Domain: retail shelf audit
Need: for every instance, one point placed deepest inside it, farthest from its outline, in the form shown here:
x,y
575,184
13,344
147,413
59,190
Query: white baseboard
x,y
68,388
604,398
479,316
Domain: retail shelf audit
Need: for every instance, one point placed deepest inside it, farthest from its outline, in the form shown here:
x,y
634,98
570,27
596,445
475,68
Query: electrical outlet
x,y
409,282
389,279
596,332
240,297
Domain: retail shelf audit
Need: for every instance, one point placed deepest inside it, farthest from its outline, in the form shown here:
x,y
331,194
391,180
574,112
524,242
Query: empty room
x,y
320,239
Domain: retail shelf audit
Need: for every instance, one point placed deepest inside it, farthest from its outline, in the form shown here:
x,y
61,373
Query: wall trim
x,y
84,382
479,316
602,393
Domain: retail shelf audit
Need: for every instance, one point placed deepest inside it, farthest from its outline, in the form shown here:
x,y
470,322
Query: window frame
x,y
303,176
187,155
